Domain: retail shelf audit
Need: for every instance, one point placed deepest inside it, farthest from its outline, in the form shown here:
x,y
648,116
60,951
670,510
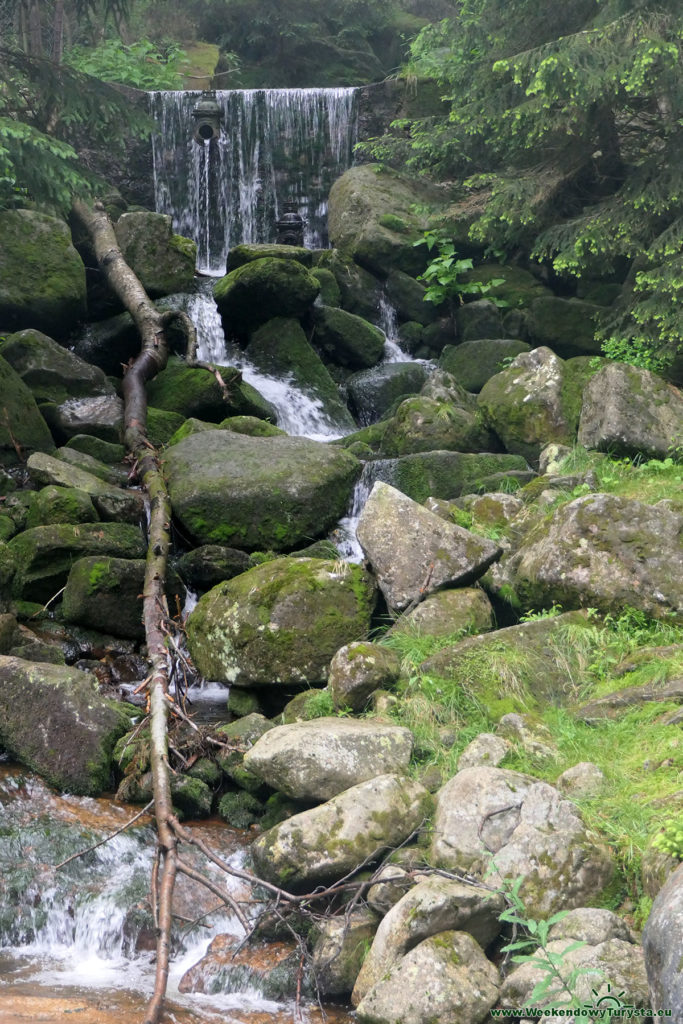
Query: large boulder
x,y
432,906
604,552
444,980
630,411
42,276
281,622
247,252
532,833
112,503
567,326
53,720
466,610
372,219
164,262
52,372
43,555
532,403
280,348
314,761
195,392
100,415
211,564
413,552
663,946
339,950
372,392
60,505
257,493
424,424
516,668
357,670
347,339
325,843
258,291
480,319
474,362
600,948
360,291
22,428
448,474
407,296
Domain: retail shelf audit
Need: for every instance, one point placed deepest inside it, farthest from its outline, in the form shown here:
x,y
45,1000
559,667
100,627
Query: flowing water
x,y
273,146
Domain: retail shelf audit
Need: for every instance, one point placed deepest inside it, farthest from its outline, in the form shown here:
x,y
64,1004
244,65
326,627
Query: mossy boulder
x,y
116,475
43,555
104,451
112,503
407,296
42,275
346,339
100,415
536,835
247,252
567,326
330,293
519,668
325,843
480,319
360,292
22,428
518,287
466,609
194,392
424,424
211,564
240,809
257,493
373,392
250,425
281,622
60,505
531,403
314,761
52,372
474,362
357,670
53,720
604,552
446,474
339,949
263,289
162,425
281,349
106,593
163,261
372,219
630,411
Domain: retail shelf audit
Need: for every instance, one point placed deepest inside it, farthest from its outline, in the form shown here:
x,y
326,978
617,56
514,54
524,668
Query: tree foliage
x,y
566,124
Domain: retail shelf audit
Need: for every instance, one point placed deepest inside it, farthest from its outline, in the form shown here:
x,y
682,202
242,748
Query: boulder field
x,y
447,722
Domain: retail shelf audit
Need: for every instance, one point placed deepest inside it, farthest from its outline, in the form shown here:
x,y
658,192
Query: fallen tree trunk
x,y
151,325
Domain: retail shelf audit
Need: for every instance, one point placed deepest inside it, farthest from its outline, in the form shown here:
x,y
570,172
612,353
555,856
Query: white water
x,y
298,414
275,145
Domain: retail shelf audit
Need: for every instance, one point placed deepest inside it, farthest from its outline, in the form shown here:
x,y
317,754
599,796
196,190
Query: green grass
x,y
647,481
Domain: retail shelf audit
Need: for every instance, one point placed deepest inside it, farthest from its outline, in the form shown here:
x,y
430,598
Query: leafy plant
x,y
670,838
443,275
143,64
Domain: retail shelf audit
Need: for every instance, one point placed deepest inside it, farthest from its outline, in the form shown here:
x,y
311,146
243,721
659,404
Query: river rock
x,y
314,761
485,749
604,552
527,404
608,962
281,349
195,392
663,946
444,980
22,428
109,344
373,392
515,668
413,552
346,339
449,474
247,252
339,950
116,475
372,219
423,424
479,319
52,372
111,503
434,905
466,609
164,262
42,275
269,968
104,451
360,291
44,555
326,842
101,416
630,411
473,362
357,670
257,493
532,832
60,505
211,564
265,288
567,326
407,296
53,720
281,622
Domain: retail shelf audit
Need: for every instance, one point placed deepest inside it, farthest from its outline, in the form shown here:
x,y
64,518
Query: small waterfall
x,y
344,534
388,324
298,413
274,145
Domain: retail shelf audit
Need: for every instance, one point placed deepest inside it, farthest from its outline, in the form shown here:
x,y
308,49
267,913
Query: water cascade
x,y
271,146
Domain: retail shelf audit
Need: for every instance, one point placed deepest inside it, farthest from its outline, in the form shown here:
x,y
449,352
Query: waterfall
x,y
274,145
388,324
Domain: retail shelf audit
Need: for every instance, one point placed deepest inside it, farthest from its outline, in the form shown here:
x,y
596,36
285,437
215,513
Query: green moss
x,y
393,223
240,810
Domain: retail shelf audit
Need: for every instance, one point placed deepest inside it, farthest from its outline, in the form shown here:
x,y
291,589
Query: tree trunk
x,y
35,29
153,357
58,32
